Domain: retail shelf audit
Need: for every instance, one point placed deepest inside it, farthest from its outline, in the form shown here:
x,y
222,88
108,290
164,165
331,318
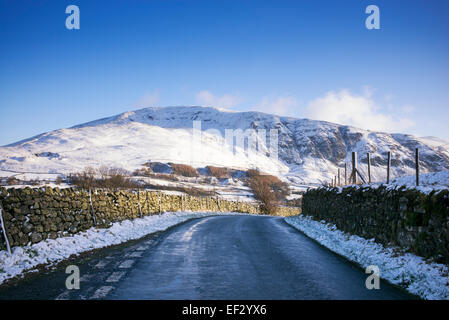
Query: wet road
x,y
226,257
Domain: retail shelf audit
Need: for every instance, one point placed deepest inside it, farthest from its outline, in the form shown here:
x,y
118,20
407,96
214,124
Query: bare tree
x,y
268,189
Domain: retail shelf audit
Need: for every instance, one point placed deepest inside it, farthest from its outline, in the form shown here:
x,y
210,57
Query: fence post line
x,y
388,166
417,166
2,225
369,167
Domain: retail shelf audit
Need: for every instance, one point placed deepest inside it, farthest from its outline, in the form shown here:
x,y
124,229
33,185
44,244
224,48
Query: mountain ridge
x,y
310,151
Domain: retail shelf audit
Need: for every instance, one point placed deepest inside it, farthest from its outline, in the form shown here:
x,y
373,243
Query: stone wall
x,y
32,215
408,218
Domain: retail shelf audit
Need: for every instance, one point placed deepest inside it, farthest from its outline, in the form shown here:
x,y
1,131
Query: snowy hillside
x,y
309,151
432,180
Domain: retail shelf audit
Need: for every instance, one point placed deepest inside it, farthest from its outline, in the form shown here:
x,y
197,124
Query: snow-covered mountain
x,y
308,151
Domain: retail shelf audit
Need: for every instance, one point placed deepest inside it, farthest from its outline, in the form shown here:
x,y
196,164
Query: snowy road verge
x,y
413,273
51,251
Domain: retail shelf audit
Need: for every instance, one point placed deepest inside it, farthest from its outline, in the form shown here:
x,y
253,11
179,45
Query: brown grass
x,y
218,172
11,181
150,174
184,170
197,192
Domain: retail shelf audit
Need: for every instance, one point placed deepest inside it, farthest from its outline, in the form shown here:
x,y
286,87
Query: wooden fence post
x,y
417,166
346,169
369,167
354,168
388,166
339,182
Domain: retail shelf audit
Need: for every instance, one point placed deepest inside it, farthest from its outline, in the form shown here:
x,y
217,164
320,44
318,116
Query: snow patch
x,y
435,180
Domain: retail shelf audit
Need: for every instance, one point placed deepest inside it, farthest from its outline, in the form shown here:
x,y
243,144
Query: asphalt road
x,y
225,257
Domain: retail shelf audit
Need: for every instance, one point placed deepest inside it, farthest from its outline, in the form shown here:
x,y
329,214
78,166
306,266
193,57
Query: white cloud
x,y
407,109
360,111
148,99
206,98
282,106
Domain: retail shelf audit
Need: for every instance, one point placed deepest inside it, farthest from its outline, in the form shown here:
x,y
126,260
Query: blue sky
x,y
310,59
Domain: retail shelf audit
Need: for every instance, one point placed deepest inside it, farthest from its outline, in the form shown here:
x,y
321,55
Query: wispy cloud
x,y
361,111
208,99
148,99
282,105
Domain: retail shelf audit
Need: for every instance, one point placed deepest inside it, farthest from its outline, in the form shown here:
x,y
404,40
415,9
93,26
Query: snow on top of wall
x,y
428,182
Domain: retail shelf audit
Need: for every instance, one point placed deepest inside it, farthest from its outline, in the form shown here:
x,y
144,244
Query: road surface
x,y
223,257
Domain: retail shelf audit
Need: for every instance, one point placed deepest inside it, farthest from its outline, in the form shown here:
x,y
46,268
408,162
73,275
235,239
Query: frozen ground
x,y
417,276
51,251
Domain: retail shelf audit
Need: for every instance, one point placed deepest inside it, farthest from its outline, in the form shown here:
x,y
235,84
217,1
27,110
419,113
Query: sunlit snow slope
x,y
309,151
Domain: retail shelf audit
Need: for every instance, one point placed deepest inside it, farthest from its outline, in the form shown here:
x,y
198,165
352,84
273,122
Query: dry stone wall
x,y
408,218
34,214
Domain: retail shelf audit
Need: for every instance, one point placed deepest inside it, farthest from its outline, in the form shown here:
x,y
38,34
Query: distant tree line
x,y
104,177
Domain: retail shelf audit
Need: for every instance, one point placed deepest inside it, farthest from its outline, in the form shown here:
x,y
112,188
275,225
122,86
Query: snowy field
x,y
51,251
430,180
413,273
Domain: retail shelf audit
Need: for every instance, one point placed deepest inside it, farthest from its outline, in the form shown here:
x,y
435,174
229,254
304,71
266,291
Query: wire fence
x,y
353,174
